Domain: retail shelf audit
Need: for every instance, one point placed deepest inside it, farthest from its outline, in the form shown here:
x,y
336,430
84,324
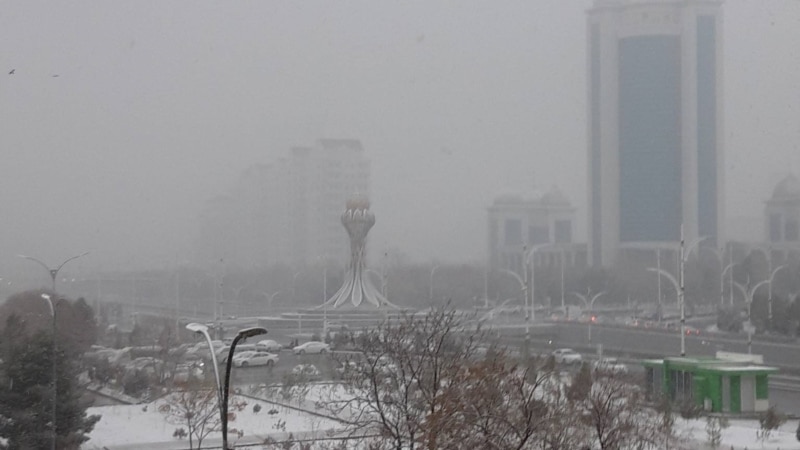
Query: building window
x,y
563,231
513,232
792,230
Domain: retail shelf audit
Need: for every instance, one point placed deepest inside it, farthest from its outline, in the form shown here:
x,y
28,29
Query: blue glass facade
x,y
649,138
707,214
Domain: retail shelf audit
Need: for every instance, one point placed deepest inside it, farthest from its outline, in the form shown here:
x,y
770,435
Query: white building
x,y
287,212
655,141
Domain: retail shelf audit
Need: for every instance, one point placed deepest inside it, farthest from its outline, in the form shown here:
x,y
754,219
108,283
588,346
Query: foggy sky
x,y
158,106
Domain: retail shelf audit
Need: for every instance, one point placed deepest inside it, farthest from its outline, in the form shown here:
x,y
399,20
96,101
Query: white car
x,y
255,358
312,347
567,356
609,365
269,345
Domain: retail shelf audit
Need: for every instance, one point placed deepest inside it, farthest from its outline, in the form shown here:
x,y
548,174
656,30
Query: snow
x,y
123,427
741,434
131,427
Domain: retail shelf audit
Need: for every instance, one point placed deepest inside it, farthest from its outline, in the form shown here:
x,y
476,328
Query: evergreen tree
x,y
26,392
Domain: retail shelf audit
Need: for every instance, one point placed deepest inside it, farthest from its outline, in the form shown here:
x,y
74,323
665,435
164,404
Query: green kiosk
x,y
730,383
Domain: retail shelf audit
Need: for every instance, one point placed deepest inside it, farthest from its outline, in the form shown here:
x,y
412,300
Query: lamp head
x,y
46,296
197,327
250,332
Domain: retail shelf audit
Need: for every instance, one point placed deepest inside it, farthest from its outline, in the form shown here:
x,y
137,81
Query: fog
x,y
121,119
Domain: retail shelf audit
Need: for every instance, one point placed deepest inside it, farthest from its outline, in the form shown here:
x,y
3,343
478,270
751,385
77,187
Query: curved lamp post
x,y
589,303
723,269
53,272
771,280
242,334
523,284
222,392
676,284
203,330
748,297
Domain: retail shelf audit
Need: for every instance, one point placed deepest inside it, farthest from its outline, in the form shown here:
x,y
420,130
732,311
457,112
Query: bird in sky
x,y
12,71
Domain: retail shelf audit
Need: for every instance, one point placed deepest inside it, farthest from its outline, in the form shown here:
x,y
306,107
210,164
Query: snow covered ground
x,y
142,426
741,434
125,427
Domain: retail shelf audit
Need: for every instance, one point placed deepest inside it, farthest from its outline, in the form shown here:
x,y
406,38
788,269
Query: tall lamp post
x,y
524,287
677,285
530,261
55,373
589,303
771,280
242,334
222,392
53,272
748,297
724,269
767,252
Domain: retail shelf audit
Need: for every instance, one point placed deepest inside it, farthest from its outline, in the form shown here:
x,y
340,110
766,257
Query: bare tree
x,y
195,405
435,381
617,413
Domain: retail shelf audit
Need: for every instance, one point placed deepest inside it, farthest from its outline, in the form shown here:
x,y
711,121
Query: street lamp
x,y
523,284
55,374
242,334
53,272
723,269
748,297
589,303
430,292
270,297
771,280
677,286
528,256
222,393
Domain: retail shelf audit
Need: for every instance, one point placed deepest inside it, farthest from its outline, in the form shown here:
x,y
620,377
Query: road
x,y
630,342
325,363
656,342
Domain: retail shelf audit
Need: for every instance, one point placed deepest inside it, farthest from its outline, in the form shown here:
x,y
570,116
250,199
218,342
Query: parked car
x,y
609,365
311,347
269,345
567,356
306,371
255,358
222,353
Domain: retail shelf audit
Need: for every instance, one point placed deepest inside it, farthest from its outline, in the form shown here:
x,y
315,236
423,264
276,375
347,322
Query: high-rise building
x,y
323,178
655,124
288,211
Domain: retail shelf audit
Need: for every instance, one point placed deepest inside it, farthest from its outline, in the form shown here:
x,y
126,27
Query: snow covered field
x,y
741,434
142,426
125,427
